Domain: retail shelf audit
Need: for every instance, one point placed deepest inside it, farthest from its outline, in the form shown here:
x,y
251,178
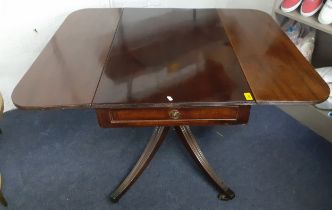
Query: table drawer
x,y
173,116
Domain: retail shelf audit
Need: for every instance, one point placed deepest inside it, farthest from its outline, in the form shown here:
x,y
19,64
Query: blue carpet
x,y
61,159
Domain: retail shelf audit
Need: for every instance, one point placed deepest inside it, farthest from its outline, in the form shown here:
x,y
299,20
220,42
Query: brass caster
x,y
227,195
114,198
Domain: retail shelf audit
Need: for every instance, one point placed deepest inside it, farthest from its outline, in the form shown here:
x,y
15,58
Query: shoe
x,y
326,105
310,7
325,16
290,5
326,74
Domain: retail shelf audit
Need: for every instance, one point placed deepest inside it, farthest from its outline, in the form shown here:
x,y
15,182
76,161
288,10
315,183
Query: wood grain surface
x,y
66,73
162,53
275,69
196,57
164,116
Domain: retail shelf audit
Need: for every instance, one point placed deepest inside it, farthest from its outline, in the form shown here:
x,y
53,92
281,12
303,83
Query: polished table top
x,y
123,58
185,57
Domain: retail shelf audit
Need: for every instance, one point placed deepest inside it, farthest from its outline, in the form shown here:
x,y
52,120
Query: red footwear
x,y
310,7
290,5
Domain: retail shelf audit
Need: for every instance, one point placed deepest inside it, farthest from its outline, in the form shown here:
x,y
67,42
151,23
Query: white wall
x,y
20,44
265,5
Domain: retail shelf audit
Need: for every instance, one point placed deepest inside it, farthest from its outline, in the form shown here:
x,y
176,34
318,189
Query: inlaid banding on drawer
x,y
184,113
172,117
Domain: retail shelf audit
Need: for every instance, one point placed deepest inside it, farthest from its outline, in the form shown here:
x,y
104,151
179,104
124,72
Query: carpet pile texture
x,y
62,159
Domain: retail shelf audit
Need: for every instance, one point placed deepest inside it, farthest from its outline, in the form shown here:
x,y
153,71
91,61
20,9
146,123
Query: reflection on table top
x,y
160,53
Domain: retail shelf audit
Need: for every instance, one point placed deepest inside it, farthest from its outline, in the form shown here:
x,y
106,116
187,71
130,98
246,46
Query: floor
x,y
316,119
62,160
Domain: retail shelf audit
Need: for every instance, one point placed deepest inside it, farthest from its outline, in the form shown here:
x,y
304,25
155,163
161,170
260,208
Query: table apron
x,y
173,117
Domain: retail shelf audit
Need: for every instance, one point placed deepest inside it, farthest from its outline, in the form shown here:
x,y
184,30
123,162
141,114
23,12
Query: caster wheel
x,y
114,200
227,195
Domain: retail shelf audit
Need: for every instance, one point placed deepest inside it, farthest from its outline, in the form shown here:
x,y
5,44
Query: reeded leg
x,y
2,198
191,144
157,138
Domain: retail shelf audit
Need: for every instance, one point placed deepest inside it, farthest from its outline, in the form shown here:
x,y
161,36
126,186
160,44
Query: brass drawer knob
x,y
174,114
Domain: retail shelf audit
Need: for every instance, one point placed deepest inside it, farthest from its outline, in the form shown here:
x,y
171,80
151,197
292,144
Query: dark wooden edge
x,y
243,114
173,105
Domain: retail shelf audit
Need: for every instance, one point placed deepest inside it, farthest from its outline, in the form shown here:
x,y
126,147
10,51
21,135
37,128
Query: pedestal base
x,y
190,142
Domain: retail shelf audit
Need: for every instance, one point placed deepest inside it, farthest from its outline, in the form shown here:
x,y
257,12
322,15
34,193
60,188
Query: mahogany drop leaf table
x,y
169,68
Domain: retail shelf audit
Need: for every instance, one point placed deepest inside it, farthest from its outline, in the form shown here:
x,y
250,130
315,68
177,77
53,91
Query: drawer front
x,y
173,116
